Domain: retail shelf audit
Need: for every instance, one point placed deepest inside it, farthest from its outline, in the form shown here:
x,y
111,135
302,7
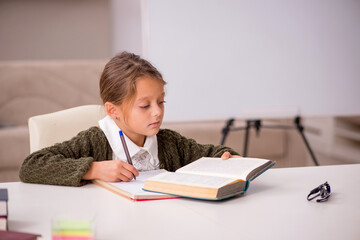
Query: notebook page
x,y
135,186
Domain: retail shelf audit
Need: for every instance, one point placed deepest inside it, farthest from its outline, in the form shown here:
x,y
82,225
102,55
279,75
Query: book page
x,y
193,180
135,186
237,168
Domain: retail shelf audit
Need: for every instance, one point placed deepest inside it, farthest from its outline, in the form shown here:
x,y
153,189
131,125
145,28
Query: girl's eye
x,y
147,106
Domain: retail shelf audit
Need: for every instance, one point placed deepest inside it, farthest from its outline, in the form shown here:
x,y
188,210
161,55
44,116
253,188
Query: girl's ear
x,y
112,110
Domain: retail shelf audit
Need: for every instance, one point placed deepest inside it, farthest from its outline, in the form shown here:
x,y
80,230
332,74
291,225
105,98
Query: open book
x,y
209,178
133,190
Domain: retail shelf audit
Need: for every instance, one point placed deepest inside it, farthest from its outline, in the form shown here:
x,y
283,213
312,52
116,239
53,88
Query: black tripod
x,y
257,125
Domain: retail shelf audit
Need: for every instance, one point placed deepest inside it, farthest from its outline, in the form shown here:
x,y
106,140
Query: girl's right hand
x,y
111,171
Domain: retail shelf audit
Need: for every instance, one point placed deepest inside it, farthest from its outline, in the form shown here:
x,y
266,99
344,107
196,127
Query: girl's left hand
x,y
227,155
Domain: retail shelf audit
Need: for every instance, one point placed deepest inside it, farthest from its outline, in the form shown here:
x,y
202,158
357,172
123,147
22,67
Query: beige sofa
x,y
34,88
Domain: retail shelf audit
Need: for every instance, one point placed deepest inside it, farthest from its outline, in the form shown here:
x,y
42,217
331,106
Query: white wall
x,y
54,29
256,58
126,26
229,58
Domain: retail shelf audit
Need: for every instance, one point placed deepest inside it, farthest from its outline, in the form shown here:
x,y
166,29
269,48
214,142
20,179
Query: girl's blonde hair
x,y
118,80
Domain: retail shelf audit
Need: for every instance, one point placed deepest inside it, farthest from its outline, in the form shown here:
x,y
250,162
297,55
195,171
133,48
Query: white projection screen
x,y
255,58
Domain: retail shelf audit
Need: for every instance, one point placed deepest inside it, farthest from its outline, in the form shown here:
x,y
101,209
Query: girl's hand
x,y
227,155
111,171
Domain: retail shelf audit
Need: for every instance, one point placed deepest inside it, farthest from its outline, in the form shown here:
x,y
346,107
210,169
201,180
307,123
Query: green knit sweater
x,y
66,163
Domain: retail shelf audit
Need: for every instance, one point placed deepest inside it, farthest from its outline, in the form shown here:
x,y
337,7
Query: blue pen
x,y
126,149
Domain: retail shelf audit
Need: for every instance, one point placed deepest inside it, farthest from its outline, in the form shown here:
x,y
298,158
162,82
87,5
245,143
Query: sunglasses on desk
x,y
322,193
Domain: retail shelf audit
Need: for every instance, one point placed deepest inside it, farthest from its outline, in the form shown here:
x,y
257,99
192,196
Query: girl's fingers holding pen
x,y
131,168
126,171
111,171
124,177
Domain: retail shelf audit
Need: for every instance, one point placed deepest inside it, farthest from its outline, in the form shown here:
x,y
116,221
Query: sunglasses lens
x,y
324,193
323,199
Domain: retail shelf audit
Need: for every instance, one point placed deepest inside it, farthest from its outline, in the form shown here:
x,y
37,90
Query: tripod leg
x,y
246,140
301,131
226,130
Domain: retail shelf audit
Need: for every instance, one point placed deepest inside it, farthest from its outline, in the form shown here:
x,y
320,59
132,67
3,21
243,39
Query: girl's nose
x,y
157,111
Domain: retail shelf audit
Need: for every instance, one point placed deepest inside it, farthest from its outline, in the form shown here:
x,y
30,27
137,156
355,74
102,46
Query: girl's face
x,y
144,116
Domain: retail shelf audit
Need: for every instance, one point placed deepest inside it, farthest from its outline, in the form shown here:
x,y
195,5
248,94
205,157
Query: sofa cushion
x,y
34,88
14,146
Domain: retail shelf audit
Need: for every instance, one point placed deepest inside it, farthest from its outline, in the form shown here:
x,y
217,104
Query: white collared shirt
x,y
143,158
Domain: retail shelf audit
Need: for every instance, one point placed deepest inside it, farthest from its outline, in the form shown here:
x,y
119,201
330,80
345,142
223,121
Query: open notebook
x,y
133,190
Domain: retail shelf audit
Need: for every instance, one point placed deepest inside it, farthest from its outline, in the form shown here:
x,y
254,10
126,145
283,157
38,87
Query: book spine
x,y
247,185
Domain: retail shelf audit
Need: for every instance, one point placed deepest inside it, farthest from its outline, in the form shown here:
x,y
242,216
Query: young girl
x,y
132,91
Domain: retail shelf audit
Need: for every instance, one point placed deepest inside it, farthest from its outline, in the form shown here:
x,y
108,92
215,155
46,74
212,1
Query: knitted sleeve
x,y
66,163
176,150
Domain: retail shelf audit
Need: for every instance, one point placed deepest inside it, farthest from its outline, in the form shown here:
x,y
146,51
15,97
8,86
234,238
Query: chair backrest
x,y
47,129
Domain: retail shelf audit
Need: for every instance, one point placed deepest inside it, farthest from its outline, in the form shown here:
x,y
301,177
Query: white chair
x,y
47,129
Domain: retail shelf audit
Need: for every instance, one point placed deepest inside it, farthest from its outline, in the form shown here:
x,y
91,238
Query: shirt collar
x,y
111,131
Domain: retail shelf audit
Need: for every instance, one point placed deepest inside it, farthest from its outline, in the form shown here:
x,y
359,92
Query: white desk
x,y
275,207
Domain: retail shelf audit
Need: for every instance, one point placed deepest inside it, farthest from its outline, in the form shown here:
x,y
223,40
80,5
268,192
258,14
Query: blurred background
x,y
52,53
